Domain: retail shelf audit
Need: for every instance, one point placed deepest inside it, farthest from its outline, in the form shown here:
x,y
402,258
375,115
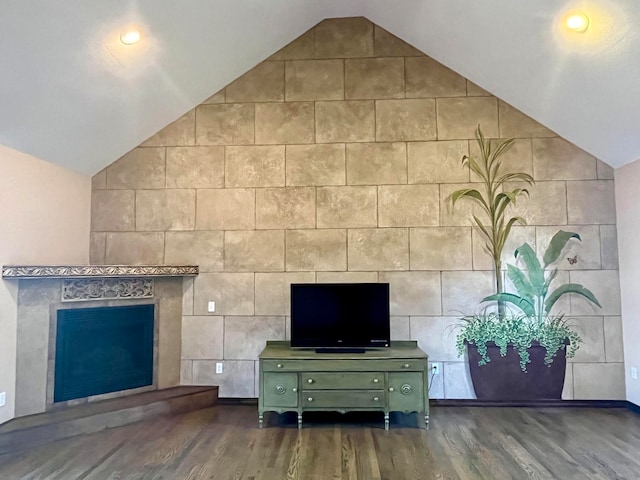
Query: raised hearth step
x,y
33,430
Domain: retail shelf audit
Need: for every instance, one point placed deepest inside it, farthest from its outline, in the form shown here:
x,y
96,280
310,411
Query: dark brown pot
x,y
502,379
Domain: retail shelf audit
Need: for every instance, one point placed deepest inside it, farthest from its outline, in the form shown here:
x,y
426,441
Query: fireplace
x,y
103,350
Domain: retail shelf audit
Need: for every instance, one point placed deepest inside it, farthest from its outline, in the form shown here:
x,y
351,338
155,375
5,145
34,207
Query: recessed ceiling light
x,y
578,22
130,37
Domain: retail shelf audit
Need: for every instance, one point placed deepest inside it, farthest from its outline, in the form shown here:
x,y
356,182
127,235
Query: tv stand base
x,y
340,350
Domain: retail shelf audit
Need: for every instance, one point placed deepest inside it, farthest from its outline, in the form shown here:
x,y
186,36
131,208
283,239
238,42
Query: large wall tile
x,y
263,83
254,251
344,207
225,124
347,277
386,44
187,295
232,292
428,78
97,248
585,252
591,202
315,164
348,121
218,97
408,205
135,248
99,180
254,166
437,162
605,285
291,122
203,248
474,90
463,291
535,208
314,80
605,172
316,250
440,248
609,247
376,163
229,209
567,390
413,293
140,168
399,328
613,347
457,381
598,381
112,210
437,337
186,372
344,38
180,132
273,291
458,118
246,337
170,209
284,208
514,123
378,249
392,123
374,78
591,329
299,49
202,337
236,380
557,159
195,167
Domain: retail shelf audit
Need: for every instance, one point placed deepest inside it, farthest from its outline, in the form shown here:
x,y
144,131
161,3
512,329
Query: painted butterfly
x,y
573,261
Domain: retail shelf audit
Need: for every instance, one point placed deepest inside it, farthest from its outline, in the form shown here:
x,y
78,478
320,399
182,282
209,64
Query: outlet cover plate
x,y
219,367
3,398
634,373
211,307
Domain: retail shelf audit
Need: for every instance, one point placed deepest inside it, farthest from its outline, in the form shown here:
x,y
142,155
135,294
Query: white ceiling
x,y
71,94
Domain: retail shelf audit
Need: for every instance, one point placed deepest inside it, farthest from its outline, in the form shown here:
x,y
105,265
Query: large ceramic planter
x,y
502,379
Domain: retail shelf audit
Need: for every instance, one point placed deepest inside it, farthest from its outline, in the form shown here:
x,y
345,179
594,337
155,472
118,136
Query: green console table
x,y
385,380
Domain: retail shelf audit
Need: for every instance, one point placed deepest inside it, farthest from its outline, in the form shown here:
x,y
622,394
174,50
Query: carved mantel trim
x,y
28,272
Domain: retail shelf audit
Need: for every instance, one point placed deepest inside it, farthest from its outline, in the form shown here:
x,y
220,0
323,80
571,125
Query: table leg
x,y
300,420
386,421
260,420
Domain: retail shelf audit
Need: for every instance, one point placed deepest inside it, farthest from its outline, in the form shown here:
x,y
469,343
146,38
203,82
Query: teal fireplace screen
x,y
102,350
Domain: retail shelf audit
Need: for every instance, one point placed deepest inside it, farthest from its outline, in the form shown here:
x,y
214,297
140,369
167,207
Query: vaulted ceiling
x,y
72,94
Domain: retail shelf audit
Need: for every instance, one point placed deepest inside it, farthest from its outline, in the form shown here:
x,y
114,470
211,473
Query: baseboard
x,y
531,403
633,407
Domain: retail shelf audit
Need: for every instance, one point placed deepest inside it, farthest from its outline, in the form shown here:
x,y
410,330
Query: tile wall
x,y
333,160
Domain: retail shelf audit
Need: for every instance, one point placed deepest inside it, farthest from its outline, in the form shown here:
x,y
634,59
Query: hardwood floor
x,y
224,442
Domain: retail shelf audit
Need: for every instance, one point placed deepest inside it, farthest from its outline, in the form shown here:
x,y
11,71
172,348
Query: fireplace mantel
x,y
31,272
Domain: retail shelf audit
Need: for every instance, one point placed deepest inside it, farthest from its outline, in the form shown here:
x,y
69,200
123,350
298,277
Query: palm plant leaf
x,y
521,283
516,176
569,288
556,246
536,274
522,303
470,193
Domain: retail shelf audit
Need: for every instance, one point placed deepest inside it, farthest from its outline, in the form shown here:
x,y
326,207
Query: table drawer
x,y
342,380
349,365
339,399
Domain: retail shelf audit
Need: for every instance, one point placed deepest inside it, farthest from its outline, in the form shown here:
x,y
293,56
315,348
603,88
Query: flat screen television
x,y
345,316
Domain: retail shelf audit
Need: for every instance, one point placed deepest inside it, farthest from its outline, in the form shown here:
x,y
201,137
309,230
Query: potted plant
x,y
522,356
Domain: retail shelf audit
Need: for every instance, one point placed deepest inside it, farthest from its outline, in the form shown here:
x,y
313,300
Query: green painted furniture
x,y
385,380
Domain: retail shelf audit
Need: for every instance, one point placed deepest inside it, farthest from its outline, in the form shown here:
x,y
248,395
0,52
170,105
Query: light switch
x,y
211,307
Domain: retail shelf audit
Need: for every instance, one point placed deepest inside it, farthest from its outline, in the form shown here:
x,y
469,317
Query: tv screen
x,y
340,315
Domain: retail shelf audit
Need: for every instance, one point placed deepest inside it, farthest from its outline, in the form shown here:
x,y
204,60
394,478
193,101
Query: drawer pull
x,y
310,380
279,365
310,399
375,380
281,389
406,389
294,389
406,365
375,399
391,389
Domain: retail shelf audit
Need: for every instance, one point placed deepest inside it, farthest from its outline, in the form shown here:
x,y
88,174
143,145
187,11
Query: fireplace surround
x,y
42,293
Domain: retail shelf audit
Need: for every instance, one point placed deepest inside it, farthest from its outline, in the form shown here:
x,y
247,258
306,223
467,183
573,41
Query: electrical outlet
x,y
435,369
211,307
219,367
634,373
3,398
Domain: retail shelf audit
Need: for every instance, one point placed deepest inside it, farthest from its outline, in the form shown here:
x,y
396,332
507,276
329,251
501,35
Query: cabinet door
x,y
406,392
280,389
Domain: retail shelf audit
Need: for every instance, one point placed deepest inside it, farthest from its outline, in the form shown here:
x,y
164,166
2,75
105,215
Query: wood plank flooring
x,y
223,442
